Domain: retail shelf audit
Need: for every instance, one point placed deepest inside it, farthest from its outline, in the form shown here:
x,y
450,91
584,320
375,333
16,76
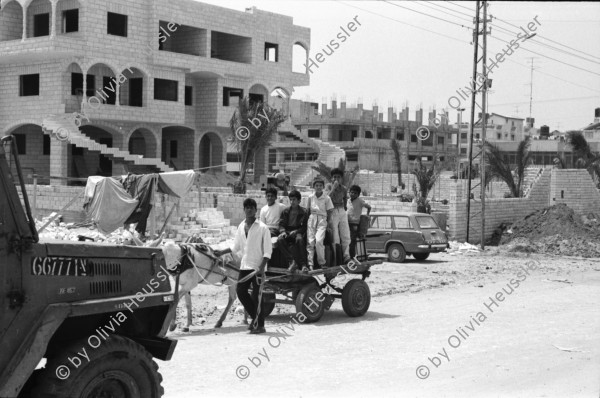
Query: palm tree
x,y
499,168
426,178
397,155
325,171
585,157
252,127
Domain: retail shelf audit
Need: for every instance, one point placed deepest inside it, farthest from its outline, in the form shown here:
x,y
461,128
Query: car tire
x,y
420,256
117,367
396,253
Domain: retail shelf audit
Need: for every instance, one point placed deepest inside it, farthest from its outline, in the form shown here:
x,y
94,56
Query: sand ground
x,y
541,340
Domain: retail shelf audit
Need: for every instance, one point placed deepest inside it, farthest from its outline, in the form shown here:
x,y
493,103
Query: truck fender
x,y
32,350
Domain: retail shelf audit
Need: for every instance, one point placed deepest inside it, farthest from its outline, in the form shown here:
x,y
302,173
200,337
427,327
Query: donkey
x,y
197,264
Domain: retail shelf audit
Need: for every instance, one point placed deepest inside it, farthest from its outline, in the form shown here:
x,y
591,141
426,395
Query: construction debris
x,y
461,248
554,230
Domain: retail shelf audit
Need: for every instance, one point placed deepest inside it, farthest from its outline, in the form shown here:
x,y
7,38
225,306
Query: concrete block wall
x,y
575,188
444,188
33,155
11,26
579,193
497,211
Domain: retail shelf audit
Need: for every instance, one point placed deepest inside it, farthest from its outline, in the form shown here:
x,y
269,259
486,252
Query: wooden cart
x,y
312,297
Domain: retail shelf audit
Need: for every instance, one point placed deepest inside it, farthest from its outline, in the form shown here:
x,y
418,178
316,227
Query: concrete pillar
x,y
53,19
24,23
59,161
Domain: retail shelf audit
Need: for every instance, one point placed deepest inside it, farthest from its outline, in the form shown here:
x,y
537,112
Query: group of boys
x,y
296,231
299,232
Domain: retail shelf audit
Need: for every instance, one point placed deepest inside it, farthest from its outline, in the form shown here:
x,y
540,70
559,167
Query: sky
x,y
398,57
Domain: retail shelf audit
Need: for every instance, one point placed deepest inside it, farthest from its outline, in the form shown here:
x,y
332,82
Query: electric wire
x,y
428,15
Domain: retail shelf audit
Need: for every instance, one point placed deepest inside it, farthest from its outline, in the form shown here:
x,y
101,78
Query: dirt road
x,y
440,328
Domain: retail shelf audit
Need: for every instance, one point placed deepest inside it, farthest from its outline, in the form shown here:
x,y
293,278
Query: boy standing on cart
x,y
339,219
355,207
292,232
320,210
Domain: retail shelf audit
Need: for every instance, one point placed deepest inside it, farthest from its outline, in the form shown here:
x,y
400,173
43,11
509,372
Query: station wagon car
x,y
402,234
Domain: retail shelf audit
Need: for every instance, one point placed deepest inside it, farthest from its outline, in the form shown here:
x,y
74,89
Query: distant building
x,y
592,132
363,137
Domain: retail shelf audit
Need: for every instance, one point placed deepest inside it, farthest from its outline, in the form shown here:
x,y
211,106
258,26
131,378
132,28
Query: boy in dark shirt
x,y
292,232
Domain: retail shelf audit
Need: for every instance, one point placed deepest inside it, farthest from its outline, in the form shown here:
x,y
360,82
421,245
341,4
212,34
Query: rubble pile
x,y
57,230
555,230
461,248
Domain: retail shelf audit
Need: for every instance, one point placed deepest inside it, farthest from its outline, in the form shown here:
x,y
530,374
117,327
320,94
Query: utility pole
x,y
484,123
473,94
460,110
480,83
531,86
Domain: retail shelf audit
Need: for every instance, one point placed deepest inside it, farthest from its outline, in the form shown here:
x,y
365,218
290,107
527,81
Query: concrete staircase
x,y
63,127
329,154
532,174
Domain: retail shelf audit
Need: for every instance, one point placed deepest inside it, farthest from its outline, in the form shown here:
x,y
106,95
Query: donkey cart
x,y
312,297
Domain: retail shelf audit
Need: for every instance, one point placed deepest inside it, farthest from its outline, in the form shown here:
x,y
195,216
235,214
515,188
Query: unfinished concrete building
x,y
96,87
361,136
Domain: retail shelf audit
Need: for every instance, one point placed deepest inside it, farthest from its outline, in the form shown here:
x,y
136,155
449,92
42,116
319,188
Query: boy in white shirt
x,y
270,214
320,209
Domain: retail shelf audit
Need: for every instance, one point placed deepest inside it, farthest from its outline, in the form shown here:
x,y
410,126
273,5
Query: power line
x,y
463,41
402,22
511,33
450,9
538,35
555,77
446,8
545,56
551,100
459,5
545,38
428,15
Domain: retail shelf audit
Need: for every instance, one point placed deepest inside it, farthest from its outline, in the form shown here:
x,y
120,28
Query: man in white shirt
x,y
270,214
253,245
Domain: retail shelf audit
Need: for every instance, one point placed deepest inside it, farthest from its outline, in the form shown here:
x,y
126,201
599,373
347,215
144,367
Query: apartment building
x,y
104,87
363,137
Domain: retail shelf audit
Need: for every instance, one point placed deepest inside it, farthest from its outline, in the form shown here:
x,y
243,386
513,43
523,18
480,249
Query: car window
x,y
382,222
402,222
426,222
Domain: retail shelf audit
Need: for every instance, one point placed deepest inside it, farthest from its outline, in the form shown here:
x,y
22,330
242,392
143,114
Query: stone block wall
x,y
497,211
574,187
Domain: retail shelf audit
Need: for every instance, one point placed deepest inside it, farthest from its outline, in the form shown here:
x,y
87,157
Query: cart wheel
x,y
356,298
396,253
268,303
308,304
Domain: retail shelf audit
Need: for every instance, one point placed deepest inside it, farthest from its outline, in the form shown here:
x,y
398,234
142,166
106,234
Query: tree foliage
x,y
325,171
252,127
499,168
586,159
425,180
397,155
